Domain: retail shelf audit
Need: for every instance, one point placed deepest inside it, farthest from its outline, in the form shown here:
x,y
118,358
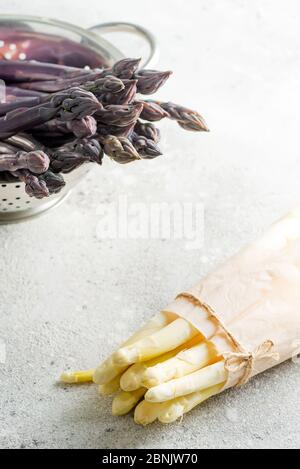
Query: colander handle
x,y
123,27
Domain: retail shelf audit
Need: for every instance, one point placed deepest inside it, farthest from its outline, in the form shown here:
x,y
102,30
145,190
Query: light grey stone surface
x,y
68,297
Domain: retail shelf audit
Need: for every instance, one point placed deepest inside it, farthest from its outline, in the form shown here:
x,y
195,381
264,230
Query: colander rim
x,y
111,52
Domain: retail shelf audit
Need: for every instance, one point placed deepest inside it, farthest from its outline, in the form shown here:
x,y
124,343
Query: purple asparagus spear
x,y
149,81
25,102
186,118
119,149
74,104
70,156
22,71
36,161
33,186
53,86
7,148
25,118
24,142
81,128
125,68
105,130
148,130
152,111
108,86
20,93
54,182
121,116
126,96
103,106
144,146
55,127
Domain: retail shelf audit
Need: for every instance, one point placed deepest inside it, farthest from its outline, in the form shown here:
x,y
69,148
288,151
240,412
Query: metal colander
x,y
15,204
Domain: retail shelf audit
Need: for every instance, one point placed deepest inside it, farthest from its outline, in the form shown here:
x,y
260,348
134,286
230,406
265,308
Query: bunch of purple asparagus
x,y
57,118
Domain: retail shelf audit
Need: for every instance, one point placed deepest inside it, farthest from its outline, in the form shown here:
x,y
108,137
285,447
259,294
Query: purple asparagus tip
x,y
78,108
118,115
125,68
83,128
33,186
148,130
108,84
149,81
38,162
126,96
186,118
153,112
145,147
90,149
120,149
54,182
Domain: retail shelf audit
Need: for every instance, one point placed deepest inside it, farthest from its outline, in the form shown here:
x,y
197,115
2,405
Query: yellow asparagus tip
x,y
74,377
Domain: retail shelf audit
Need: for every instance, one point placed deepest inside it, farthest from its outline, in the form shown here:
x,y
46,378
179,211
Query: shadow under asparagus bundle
x,y
240,320
57,118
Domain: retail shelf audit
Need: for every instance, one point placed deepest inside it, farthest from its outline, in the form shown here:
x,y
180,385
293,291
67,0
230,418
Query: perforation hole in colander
x,y
12,198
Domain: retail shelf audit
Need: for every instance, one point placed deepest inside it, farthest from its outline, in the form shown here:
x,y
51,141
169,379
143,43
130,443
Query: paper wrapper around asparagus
x,y
254,301
240,320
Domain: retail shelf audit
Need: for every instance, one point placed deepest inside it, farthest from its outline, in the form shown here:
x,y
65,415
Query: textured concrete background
x,y
67,297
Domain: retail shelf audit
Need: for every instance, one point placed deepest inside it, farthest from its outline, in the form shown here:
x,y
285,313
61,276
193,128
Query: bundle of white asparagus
x,y
240,320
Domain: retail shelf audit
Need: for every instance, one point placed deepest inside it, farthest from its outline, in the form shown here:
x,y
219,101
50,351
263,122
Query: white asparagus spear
x,y
147,412
166,339
74,377
186,308
169,411
184,363
180,406
108,370
197,381
111,387
157,322
126,401
133,377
